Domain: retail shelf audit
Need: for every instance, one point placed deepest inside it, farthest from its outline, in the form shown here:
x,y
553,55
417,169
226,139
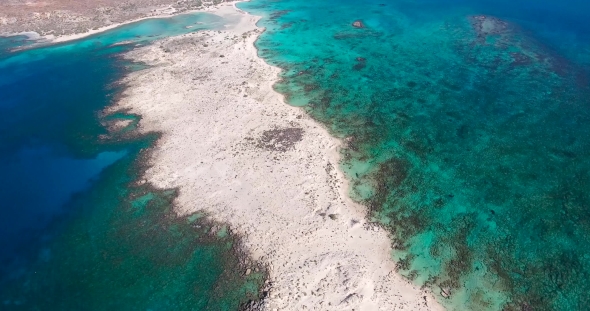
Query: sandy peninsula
x,y
238,152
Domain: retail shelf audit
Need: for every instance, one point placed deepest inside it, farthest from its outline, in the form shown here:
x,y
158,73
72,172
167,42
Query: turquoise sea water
x,y
76,231
468,134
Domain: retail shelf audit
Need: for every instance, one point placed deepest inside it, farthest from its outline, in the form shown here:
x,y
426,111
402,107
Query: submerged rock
x,y
358,24
445,292
488,25
361,63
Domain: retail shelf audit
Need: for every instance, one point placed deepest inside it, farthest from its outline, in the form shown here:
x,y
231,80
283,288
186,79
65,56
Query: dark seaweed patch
x,y
280,140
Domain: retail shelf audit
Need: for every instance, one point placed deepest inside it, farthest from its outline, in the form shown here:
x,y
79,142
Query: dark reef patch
x,y
280,140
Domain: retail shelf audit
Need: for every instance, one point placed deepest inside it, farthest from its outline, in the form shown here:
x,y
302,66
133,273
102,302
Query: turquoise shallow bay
x,y
468,139
76,232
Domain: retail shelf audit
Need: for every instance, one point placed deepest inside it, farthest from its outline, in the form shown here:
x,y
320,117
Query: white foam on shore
x,y
291,208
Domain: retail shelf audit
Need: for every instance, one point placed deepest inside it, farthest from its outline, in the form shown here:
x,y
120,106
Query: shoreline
x,y
64,38
267,170
52,39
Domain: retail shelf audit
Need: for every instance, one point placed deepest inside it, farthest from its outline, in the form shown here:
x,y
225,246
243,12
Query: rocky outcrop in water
x,y
358,24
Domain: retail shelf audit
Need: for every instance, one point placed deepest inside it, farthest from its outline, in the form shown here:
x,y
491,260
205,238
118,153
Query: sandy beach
x,y
238,152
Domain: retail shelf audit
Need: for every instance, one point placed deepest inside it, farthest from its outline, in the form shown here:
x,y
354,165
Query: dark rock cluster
x,y
280,140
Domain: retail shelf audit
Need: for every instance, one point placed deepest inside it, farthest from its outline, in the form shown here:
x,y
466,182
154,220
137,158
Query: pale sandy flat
x,y
235,150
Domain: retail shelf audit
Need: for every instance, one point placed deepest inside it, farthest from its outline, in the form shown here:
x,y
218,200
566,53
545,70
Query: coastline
x,y
99,207
63,38
238,152
165,12
268,179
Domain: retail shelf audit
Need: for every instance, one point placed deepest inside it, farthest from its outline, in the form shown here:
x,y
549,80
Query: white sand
x,y
290,207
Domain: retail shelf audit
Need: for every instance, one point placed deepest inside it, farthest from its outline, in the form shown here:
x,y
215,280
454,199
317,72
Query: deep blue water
x,y
468,134
75,232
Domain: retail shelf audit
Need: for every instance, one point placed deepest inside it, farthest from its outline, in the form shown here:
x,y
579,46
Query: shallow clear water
x,y
468,135
13,42
75,232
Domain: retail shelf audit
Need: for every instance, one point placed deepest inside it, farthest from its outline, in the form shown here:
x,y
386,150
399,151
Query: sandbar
x,y
237,152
